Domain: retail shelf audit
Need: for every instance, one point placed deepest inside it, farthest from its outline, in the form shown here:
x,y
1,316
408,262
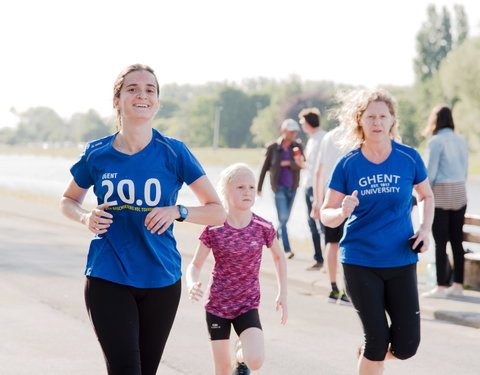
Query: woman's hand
x,y
315,212
421,236
160,218
349,203
195,292
98,220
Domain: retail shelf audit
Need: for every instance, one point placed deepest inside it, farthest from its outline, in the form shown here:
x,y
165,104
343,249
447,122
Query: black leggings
x,y
448,226
132,324
373,292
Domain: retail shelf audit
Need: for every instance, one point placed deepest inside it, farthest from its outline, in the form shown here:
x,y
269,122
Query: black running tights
x,y
376,292
132,324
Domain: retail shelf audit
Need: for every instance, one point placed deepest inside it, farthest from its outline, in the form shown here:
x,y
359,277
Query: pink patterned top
x,y
234,285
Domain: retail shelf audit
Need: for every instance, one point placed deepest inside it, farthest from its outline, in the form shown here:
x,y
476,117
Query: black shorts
x,y
219,328
334,235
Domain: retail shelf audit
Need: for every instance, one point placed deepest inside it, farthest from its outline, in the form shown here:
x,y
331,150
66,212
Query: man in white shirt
x,y
310,121
328,156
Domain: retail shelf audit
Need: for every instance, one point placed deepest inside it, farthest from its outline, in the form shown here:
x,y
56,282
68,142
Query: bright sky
x,y
66,55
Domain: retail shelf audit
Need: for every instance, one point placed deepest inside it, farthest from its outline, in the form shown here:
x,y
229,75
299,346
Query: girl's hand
x,y
281,303
160,218
99,220
349,203
195,293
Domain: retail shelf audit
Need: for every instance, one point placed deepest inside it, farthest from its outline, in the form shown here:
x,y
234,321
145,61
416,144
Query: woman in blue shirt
x,y
447,172
371,187
133,268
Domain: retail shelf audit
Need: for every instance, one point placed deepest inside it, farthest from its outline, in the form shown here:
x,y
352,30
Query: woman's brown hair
x,y
117,87
440,117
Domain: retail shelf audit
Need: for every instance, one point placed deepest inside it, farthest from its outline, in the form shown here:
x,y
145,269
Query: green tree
x,y
88,126
266,125
461,24
200,121
168,108
459,75
434,41
41,124
238,112
8,136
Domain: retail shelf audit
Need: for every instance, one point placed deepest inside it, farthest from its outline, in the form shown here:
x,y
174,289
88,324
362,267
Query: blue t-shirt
x,y
128,253
376,233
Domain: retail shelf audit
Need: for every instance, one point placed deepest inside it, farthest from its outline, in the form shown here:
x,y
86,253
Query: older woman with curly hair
x,y
371,187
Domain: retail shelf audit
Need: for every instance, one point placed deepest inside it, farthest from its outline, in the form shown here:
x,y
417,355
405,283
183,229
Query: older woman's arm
x,y
337,207
427,209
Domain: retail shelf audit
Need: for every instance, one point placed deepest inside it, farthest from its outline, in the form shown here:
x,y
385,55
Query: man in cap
x,y
284,159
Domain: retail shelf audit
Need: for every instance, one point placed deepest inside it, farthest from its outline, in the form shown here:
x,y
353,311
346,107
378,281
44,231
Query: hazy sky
x,y
66,55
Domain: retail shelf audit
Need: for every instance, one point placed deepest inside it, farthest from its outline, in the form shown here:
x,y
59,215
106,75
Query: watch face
x,y
183,211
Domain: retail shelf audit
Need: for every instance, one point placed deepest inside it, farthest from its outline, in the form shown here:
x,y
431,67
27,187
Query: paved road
x,y
45,329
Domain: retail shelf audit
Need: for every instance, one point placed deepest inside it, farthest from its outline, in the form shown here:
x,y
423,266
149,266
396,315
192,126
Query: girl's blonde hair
x,y
354,104
226,177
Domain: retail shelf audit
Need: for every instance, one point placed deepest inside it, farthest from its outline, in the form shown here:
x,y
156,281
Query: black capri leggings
x,y
373,292
132,324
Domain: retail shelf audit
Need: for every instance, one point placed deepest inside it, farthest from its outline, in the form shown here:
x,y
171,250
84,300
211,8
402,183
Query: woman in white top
x,y
447,172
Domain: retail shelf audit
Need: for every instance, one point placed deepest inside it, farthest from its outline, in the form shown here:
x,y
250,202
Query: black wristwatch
x,y
183,212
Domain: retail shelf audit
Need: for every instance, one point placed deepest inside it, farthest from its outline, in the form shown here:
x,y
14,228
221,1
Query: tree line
x,y
249,113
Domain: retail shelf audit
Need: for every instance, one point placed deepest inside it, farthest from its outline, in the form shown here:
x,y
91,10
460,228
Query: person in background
x,y
371,187
447,168
310,122
284,159
234,290
328,156
133,272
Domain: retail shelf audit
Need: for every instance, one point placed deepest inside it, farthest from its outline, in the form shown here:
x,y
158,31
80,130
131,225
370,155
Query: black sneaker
x,y
333,296
241,369
344,300
315,267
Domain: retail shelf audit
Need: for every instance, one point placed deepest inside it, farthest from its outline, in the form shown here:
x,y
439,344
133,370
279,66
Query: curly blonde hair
x,y
354,104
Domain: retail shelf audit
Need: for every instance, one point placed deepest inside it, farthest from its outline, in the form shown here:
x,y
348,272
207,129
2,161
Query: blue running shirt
x,y
376,233
128,253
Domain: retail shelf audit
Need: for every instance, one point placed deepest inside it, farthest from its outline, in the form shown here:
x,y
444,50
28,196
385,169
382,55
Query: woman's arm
x,y
318,191
427,210
434,152
96,220
211,211
337,207
265,168
281,268
193,272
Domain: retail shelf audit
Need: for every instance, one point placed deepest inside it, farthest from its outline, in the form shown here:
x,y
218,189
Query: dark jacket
x,y
273,157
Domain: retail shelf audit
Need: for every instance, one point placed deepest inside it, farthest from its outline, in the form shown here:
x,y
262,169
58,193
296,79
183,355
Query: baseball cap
x,y
290,125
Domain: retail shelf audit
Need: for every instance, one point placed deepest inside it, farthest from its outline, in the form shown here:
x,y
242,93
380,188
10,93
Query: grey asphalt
x,y
26,299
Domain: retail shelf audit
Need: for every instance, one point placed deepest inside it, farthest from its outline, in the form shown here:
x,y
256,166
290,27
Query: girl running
x,y
234,290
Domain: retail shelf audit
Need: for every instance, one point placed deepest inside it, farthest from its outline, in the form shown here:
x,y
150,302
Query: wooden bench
x,y
472,260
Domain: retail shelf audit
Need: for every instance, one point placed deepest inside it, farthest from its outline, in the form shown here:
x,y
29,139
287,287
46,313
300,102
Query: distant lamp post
x,y
216,127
